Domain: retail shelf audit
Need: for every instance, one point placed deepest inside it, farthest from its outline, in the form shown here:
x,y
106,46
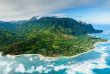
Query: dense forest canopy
x,y
49,36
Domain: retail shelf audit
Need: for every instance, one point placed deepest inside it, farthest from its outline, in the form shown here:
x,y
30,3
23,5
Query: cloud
x,y
59,15
106,4
24,9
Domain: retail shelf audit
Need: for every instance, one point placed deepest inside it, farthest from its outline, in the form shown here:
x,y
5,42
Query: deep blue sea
x,y
96,61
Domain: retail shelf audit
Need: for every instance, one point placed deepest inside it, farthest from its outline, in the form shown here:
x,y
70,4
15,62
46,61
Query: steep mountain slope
x,y
52,36
62,25
5,37
9,26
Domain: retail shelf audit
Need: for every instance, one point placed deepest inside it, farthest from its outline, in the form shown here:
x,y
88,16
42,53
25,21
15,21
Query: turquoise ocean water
x,y
95,62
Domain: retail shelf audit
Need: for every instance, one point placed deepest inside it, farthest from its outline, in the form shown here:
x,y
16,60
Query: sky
x,y
89,11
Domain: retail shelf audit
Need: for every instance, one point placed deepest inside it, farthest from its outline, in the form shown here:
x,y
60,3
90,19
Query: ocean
x,y
96,61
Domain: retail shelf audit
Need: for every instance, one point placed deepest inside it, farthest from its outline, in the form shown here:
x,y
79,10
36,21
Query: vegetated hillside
x,y
5,36
64,25
9,26
8,38
48,45
52,36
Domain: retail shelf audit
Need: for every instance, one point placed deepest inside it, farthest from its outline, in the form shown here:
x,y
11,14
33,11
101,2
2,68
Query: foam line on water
x,y
10,57
46,59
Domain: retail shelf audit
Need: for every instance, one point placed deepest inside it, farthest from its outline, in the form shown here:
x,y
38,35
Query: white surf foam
x,y
50,65
29,55
47,70
20,68
40,69
8,67
10,57
70,72
3,63
106,32
46,59
7,70
31,59
31,70
57,68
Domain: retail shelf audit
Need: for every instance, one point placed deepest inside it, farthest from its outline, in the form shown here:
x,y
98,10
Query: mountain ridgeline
x,y
49,36
62,25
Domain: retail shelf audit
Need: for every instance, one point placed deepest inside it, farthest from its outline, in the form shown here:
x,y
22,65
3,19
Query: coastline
x,y
60,56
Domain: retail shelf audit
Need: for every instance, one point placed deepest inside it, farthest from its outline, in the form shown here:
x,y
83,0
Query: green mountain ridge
x,y
51,36
70,26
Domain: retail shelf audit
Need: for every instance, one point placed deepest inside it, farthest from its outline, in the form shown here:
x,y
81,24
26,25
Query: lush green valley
x,y
49,36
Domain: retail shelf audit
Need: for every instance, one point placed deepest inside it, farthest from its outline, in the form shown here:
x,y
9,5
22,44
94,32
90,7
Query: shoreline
x,y
59,56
